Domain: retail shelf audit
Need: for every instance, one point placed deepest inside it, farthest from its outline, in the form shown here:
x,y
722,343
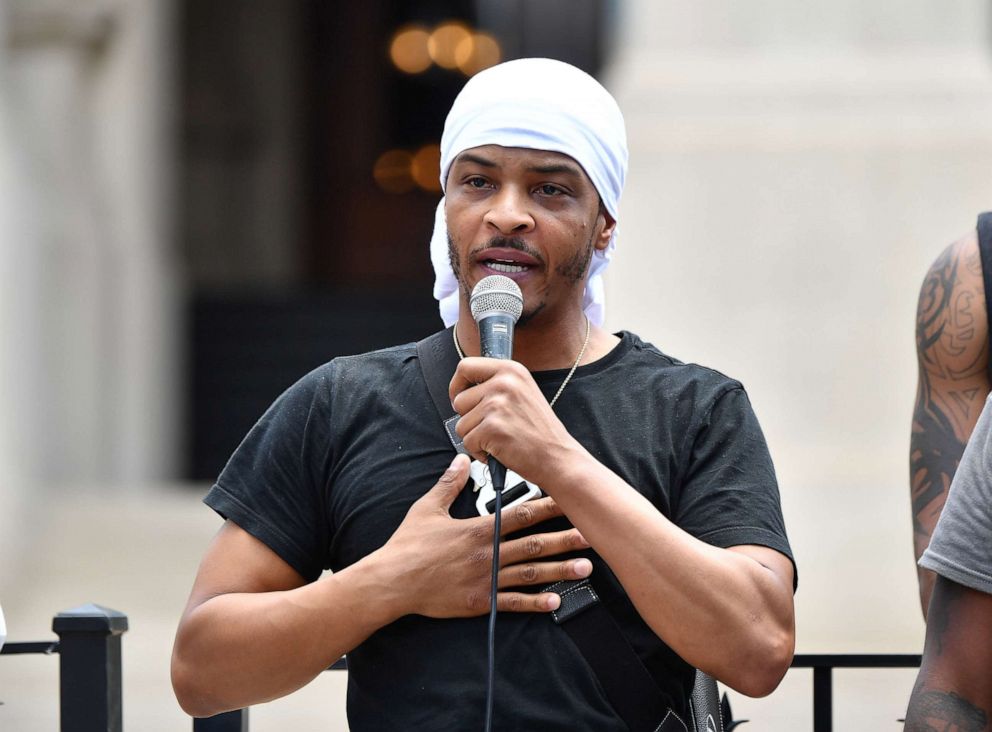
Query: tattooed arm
x,y
953,691
952,348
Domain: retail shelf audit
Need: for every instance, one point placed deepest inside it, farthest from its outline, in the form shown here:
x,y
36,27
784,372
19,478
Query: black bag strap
x,y
985,250
627,683
438,361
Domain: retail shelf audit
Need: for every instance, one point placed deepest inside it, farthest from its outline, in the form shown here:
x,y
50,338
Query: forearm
x,y
723,612
953,690
238,649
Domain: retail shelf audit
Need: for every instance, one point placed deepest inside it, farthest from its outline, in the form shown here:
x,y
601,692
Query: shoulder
x,y
951,306
365,368
701,382
350,376
373,363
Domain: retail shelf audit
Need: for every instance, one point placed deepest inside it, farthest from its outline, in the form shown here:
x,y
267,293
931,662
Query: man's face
x,y
531,215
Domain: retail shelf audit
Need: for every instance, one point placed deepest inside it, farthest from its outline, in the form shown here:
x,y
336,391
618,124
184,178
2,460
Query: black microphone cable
x,y
497,474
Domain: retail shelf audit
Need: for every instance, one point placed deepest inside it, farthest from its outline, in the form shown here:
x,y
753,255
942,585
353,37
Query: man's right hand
x,y
249,610
446,563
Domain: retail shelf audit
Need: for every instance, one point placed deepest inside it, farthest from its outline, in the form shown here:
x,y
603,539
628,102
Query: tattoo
x,y
953,353
945,597
934,447
941,711
954,650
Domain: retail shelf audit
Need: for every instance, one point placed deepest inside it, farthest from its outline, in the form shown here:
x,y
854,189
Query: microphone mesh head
x,y
496,294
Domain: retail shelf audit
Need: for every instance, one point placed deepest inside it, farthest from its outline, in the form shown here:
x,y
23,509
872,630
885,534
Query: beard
x,y
573,270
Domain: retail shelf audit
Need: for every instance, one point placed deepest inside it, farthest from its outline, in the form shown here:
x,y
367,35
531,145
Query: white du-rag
x,y
540,104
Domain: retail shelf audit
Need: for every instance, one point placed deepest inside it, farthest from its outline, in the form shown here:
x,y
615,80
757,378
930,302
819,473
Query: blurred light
x,y
392,171
444,41
477,52
408,49
426,168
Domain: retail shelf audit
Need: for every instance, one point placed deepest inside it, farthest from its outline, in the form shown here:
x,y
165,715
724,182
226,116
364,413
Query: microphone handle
x,y
496,341
496,335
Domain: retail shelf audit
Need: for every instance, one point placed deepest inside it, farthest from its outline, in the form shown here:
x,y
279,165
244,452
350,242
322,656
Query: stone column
x,y
88,298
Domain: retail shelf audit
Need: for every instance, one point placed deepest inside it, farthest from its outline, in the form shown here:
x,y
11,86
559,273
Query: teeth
x,y
501,267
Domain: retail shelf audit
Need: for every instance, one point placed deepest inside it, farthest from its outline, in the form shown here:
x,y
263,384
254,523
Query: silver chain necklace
x,y
578,360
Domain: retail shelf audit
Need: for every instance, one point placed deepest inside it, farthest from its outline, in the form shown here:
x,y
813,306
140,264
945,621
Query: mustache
x,y
505,242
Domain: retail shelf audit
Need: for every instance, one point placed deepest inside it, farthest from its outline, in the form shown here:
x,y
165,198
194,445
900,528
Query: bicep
x,y
778,565
236,561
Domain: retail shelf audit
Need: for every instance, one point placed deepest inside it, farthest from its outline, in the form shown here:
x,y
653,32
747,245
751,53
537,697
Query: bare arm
x,y
739,600
952,352
953,691
254,631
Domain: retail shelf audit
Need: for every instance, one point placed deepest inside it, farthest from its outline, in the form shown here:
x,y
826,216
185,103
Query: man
x,y
952,344
954,688
659,485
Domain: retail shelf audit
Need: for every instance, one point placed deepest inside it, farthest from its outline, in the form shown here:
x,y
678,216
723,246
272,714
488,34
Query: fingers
x,y
522,602
536,546
472,371
527,514
449,485
493,374
544,573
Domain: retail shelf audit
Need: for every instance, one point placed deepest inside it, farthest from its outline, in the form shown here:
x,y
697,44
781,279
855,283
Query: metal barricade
x,y
89,650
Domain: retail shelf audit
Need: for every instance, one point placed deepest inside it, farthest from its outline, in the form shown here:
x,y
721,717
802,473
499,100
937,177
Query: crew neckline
x,y
597,366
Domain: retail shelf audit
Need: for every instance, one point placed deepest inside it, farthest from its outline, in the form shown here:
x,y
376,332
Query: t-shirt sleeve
x,y
961,546
273,484
729,495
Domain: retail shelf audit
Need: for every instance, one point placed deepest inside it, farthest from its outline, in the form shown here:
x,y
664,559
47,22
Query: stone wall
x,y
794,170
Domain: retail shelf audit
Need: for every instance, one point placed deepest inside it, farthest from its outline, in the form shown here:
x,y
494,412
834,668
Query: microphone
x,y
496,304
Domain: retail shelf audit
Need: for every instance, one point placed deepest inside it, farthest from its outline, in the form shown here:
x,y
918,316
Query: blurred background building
x,y
200,201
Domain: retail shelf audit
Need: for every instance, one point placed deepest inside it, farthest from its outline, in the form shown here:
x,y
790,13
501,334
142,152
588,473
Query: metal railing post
x,y
823,699
90,668
236,721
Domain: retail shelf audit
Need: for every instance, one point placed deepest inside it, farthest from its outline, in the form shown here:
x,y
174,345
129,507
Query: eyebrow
x,y
548,169
551,168
470,158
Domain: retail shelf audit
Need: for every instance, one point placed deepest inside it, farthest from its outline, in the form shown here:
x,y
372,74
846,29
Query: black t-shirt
x,y
330,470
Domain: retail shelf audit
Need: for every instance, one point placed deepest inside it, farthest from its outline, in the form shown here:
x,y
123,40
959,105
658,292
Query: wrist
x,y
563,466
377,588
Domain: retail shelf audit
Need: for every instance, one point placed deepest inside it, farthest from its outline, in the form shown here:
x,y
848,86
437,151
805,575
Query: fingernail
x,y
582,567
582,540
552,602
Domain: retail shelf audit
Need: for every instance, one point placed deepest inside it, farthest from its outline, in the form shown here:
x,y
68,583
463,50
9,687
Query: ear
x,y
608,224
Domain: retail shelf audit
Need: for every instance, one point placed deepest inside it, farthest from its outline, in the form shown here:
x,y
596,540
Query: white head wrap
x,y
540,104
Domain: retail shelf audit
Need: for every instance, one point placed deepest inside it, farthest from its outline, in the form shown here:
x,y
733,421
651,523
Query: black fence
x,y
822,665
89,650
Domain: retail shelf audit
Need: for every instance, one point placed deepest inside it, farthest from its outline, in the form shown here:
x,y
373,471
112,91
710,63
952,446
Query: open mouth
x,y
506,267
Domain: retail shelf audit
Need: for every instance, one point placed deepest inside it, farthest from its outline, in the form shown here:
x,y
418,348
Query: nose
x,y
509,212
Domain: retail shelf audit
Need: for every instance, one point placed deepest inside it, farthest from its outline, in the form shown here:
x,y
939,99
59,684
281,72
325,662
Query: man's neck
x,y
542,346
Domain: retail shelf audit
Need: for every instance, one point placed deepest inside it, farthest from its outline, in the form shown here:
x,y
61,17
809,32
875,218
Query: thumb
x,y
450,484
